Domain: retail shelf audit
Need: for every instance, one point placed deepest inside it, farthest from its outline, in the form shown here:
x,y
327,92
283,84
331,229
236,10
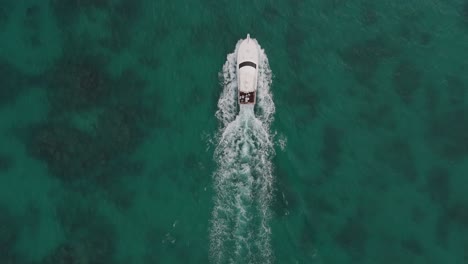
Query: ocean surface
x,y
121,140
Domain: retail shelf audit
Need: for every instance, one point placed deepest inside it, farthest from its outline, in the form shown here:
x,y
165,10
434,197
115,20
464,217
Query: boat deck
x,y
247,98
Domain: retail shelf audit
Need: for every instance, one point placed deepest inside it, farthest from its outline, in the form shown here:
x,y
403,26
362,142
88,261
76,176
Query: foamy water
x,y
243,181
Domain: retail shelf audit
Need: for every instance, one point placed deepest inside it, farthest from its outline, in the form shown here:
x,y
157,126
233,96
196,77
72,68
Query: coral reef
x,y
271,13
447,134
464,12
9,231
91,241
72,154
413,245
442,229
65,254
4,14
431,100
32,25
418,215
406,81
376,114
353,238
5,162
121,21
119,15
295,38
67,11
96,119
68,152
78,81
331,149
397,154
369,15
12,82
307,103
320,205
457,91
438,185
364,57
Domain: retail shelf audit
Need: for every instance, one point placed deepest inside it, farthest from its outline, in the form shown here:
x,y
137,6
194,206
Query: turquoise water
x,y
108,133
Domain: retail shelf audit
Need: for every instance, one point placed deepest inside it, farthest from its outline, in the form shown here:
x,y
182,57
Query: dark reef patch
x,y
438,185
126,11
150,60
368,179
5,162
67,11
92,240
153,253
4,13
411,29
72,154
412,245
96,119
377,114
79,81
418,215
405,32
425,38
118,191
191,162
320,205
123,15
68,152
442,229
270,13
333,5
120,18
124,87
397,154
143,111
120,122
353,238
122,128
456,90
305,100
364,57
32,23
458,213
331,149
12,82
448,134
198,35
193,100
9,231
452,218
65,254
464,11
369,15
406,81
431,100
295,38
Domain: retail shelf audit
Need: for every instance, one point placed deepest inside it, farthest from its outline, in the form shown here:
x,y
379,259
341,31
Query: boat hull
x,y
247,70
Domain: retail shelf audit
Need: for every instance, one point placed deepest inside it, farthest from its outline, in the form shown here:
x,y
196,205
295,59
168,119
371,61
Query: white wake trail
x,y
243,181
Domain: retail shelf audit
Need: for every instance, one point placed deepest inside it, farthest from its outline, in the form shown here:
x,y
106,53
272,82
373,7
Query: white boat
x,y
247,70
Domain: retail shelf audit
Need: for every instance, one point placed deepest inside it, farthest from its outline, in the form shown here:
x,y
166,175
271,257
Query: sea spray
x,y
243,181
